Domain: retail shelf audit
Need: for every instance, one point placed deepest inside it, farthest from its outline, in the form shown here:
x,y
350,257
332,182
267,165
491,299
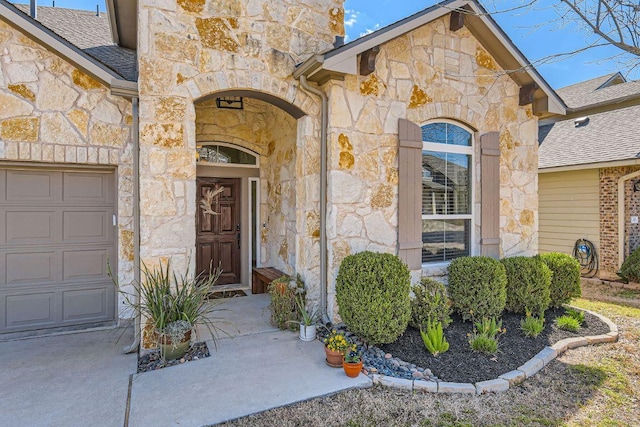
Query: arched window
x,y
222,154
447,160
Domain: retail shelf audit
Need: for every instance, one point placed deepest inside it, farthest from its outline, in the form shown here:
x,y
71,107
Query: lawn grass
x,y
588,386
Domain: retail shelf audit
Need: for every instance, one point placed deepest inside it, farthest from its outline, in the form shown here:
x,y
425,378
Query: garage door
x,y
56,235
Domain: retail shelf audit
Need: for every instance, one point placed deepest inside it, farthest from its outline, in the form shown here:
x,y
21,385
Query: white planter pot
x,y
307,333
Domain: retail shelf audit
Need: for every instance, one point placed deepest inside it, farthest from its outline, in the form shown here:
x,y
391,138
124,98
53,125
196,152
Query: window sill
x,y
435,269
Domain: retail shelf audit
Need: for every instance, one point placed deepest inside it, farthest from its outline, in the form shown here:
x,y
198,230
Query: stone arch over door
x,y
288,149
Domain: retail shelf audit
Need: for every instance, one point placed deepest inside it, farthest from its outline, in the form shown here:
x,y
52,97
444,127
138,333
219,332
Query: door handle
x,y
238,234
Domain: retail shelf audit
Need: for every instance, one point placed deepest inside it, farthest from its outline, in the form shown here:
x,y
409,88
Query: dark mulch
x,y
461,364
153,360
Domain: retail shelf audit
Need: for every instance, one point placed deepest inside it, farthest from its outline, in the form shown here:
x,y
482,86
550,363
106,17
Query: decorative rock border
x,y
504,381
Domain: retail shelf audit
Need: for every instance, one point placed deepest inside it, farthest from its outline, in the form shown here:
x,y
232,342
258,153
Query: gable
x,y
345,59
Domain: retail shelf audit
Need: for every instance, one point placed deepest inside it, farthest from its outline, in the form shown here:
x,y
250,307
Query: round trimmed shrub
x,y
528,283
372,292
630,269
429,303
565,279
477,287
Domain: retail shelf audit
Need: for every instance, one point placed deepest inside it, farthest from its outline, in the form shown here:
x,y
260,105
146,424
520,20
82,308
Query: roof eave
x,y
42,35
592,165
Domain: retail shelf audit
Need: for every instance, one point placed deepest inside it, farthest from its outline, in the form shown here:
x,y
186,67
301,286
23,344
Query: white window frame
x,y
255,180
454,149
233,146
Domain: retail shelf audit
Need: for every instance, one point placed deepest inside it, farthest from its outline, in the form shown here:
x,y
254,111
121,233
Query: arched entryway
x,y
247,143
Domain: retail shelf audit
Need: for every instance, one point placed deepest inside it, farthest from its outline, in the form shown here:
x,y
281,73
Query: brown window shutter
x,y
490,188
410,194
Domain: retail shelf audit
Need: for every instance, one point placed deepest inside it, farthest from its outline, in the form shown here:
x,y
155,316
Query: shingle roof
x,y
608,136
90,33
587,93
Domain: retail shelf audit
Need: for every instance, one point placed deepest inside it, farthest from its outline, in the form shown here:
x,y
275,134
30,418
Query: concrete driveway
x,y
82,379
76,379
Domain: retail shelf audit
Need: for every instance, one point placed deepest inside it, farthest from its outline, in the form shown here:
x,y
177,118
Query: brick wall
x,y
609,217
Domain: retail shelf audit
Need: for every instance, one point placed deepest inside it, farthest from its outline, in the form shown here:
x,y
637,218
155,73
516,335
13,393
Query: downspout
x,y
621,214
136,221
323,195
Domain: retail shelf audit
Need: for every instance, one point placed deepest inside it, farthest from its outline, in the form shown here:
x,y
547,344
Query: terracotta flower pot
x,y
172,351
334,358
352,369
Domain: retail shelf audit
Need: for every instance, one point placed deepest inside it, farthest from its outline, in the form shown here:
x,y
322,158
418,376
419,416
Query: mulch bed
x,y
153,360
461,364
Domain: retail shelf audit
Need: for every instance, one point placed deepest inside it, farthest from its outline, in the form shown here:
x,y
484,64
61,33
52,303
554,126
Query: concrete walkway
x,y
82,379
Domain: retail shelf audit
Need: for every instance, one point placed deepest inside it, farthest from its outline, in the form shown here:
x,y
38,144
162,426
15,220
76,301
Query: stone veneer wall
x,y
191,49
271,133
609,217
430,73
51,112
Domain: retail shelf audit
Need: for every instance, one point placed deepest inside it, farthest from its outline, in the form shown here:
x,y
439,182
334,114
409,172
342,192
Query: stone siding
x,y
428,74
190,50
53,113
609,218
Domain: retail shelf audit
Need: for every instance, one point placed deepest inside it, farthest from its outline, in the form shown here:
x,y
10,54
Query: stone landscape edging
x,y
504,381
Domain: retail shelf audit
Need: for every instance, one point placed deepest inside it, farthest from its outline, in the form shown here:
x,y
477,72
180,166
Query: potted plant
x,y
308,319
352,363
173,304
335,345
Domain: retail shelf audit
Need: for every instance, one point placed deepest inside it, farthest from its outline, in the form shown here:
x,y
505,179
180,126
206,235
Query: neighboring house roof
x,y
604,89
91,33
344,59
64,48
609,130
607,137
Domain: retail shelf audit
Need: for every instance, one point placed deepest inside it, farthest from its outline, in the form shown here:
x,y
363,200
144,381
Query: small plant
x,y
532,326
177,331
568,323
565,281
430,301
483,343
372,292
576,314
433,338
528,282
490,327
352,356
284,292
477,287
485,335
336,341
308,316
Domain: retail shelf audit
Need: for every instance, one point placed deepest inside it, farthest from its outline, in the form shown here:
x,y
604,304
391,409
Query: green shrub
x,y
284,309
430,303
532,326
576,314
433,338
630,270
565,280
484,343
372,292
528,281
477,287
568,323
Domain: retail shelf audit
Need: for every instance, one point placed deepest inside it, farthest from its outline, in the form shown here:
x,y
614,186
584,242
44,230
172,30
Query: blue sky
x,y
534,31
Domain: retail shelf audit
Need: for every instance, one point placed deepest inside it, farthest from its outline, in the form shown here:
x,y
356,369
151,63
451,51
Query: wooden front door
x,y
218,236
